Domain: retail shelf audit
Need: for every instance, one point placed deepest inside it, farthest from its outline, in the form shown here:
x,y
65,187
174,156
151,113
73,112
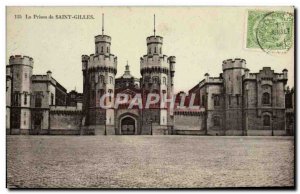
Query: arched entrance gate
x,y
128,126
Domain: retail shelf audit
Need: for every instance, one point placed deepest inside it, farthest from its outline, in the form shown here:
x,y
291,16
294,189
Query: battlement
x,y
270,75
102,38
154,39
172,59
211,80
103,60
154,61
85,58
234,63
20,60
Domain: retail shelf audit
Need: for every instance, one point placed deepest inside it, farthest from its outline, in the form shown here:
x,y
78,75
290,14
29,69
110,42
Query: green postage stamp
x,y
271,31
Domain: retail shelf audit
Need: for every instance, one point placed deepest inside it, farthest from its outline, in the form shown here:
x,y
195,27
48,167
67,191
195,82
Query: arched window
x,y
216,100
266,120
155,80
38,99
155,50
101,79
216,121
111,80
266,98
102,49
164,80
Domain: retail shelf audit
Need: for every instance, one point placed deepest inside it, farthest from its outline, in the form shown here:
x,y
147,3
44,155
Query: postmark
x,y
270,31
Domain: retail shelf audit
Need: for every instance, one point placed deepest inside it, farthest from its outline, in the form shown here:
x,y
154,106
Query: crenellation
x,y
21,60
234,63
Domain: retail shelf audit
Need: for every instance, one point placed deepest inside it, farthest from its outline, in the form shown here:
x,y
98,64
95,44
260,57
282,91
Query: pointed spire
x,y
154,26
127,72
102,24
127,66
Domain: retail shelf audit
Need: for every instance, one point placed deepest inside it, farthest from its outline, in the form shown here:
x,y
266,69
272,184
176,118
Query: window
x,y
25,98
155,80
110,94
237,100
52,99
101,79
229,100
266,98
38,99
96,49
25,75
216,100
111,80
155,50
216,121
266,120
16,100
160,50
149,50
102,49
203,100
107,50
164,80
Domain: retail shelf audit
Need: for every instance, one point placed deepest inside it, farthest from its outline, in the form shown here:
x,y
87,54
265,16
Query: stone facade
x,y
35,104
236,102
239,102
99,70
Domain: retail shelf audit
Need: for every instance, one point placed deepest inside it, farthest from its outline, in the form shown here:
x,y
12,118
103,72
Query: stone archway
x,y
128,126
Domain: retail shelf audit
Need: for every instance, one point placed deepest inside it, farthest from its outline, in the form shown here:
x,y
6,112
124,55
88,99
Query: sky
x,y
200,38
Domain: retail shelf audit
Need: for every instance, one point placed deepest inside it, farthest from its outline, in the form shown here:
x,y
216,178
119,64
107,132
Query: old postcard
x,y
150,97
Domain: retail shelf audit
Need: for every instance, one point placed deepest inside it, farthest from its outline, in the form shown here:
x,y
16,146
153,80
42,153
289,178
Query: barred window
x,y
266,98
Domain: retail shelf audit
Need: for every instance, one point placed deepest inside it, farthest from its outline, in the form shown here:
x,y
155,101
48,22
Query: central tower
x,y
157,72
99,72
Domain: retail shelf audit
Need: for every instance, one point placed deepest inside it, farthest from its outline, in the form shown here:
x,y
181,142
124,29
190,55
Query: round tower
x,y
99,70
233,70
157,72
21,72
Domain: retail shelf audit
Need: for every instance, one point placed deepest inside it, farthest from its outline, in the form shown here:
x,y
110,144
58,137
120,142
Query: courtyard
x,y
149,161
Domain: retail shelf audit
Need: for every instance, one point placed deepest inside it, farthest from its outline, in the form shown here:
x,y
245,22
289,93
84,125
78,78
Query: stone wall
x,y
189,123
65,122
